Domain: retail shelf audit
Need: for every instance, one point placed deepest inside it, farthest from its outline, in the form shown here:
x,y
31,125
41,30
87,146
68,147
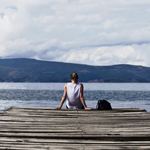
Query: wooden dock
x,y
49,129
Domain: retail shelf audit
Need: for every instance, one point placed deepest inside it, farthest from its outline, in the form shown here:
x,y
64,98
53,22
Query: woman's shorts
x,y
81,108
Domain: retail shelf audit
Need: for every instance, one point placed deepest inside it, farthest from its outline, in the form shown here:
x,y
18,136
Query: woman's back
x,y
73,96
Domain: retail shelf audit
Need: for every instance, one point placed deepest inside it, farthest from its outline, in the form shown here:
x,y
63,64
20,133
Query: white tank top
x,y
73,96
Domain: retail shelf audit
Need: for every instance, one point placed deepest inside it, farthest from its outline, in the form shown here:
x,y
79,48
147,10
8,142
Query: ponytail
x,y
74,77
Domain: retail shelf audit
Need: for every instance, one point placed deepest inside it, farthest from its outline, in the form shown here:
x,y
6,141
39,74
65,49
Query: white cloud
x,y
123,52
82,31
108,55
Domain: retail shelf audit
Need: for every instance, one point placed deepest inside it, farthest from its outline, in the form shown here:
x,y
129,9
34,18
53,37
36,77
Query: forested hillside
x,y
30,70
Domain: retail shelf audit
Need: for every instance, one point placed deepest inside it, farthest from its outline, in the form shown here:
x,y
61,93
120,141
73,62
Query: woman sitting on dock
x,y
74,93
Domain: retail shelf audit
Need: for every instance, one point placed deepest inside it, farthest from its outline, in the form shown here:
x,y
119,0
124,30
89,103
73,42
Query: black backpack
x,y
103,105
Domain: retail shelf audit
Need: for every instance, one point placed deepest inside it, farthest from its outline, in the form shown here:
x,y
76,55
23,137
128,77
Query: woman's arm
x,y
82,98
63,97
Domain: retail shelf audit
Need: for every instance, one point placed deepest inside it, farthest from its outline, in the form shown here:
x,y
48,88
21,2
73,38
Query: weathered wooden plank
x,y
107,115
79,119
71,141
72,147
103,136
88,145
40,131
38,109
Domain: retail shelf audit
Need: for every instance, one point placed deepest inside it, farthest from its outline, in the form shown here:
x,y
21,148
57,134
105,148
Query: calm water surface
x,y
131,95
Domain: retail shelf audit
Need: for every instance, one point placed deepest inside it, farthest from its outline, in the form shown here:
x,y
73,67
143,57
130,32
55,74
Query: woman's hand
x,y
87,108
58,107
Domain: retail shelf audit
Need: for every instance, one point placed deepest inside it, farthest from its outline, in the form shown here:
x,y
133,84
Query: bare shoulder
x,y
81,85
65,86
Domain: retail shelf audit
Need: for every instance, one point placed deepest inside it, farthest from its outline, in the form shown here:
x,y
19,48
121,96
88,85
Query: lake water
x,y
120,95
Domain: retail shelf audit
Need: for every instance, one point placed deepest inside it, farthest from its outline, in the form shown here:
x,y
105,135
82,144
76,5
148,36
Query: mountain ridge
x,y
32,70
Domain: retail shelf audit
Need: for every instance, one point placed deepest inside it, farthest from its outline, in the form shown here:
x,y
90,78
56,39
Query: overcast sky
x,y
94,32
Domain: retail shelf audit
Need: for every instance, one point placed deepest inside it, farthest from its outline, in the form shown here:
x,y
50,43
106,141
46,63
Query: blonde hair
x,y
74,77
